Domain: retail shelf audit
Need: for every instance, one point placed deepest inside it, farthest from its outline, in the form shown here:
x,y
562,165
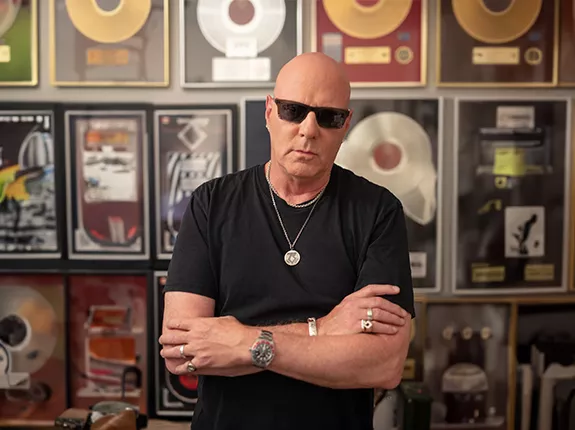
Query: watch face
x,y
263,352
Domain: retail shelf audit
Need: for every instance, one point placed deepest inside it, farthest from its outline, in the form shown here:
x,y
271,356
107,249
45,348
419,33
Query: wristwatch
x,y
263,349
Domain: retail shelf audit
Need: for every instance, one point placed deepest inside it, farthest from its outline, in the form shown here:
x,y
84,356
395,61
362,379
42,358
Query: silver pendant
x,y
292,257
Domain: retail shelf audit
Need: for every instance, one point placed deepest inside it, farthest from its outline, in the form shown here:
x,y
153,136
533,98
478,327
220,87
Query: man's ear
x,y
269,107
348,121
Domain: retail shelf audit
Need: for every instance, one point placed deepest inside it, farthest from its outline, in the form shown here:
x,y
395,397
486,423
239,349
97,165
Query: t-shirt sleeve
x,y
190,268
387,256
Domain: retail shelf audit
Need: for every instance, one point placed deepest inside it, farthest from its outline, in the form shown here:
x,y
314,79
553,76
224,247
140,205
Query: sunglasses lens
x,y
292,112
331,118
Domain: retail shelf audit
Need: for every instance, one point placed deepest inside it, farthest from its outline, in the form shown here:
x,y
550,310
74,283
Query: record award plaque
x,y
511,214
468,364
18,42
567,43
106,167
32,350
28,226
490,43
396,143
109,43
108,339
255,141
175,396
191,146
378,42
237,43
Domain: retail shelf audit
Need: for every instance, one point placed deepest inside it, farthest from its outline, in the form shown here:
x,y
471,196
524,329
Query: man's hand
x,y
346,317
216,346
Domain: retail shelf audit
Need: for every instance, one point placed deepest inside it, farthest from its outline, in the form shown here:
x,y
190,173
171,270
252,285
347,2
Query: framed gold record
x,y
379,43
494,43
18,43
106,43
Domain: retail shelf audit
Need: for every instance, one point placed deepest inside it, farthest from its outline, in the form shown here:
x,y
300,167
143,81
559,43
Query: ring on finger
x,y
182,351
191,368
366,325
369,314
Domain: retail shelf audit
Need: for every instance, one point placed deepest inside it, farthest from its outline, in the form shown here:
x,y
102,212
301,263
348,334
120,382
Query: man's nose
x,y
309,127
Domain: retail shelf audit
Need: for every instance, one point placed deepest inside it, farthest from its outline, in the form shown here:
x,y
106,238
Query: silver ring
x,y
366,325
191,368
182,351
370,314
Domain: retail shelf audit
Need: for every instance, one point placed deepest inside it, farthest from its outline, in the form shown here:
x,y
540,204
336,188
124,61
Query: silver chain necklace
x,y
297,205
291,257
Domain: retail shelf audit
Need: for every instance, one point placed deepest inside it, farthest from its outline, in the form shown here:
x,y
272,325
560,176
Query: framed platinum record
x,y
397,144
107,178
28,208
176,396
467,363
511,195
230,43
192,145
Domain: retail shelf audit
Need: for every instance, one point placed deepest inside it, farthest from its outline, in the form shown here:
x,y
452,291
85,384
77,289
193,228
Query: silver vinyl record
x,y
392,150
259,20
8,12
28,328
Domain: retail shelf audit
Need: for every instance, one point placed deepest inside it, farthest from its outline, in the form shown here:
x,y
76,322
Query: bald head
x,y
316,79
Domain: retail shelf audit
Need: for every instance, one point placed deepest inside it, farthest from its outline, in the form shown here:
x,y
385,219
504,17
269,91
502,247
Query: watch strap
x,y
312,326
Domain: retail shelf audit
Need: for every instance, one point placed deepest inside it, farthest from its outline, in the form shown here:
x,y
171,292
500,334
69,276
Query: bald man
x,y
289,291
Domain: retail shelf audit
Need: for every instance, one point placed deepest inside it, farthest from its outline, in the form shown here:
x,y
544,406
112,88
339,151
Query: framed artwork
x,y
255,140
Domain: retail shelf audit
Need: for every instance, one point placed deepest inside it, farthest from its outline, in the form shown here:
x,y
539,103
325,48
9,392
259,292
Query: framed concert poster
x,y
489,43
108,339
413,368
107,43
192,145
107,177
19,43
255,139
567,43
33,366
237,43
175,396
397,144
545,366
378,43
468,364
28,204
511,209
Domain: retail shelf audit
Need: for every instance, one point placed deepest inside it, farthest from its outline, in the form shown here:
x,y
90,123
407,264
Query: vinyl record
x,y
28,328
113,26
8,12
367,22
392,150
182,387
221,20
488,26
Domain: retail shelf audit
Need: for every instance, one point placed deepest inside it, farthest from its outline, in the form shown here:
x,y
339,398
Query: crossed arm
x,y
220,346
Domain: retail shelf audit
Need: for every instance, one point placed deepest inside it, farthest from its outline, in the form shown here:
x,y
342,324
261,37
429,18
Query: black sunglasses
x,y
326,117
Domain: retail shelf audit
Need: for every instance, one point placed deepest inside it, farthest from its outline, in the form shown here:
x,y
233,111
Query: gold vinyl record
x,y
113,26
8,12
487,26
367,22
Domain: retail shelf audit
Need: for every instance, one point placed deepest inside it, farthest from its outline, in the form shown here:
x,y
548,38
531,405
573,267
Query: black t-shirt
x,y
231,247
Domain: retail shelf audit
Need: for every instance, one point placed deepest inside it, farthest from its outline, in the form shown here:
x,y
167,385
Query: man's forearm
x,y
350,361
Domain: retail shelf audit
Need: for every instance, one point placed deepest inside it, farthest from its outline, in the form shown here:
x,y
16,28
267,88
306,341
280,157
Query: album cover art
x,y
32,349
395,143
28,215
378,43
175,395
110,43
107,180
192,146
497,43
467,364
238,43
511,207
18,43
108,339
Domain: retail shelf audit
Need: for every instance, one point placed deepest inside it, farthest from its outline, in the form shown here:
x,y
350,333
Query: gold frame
x,y
424,41
129,84
34,51
553,83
